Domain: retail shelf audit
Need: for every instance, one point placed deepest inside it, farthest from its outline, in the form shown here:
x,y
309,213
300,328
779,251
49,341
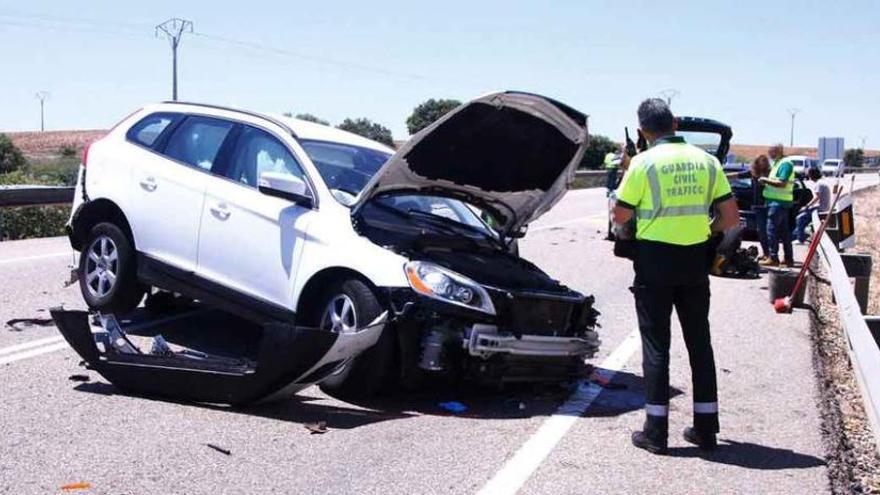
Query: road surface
x,y
57,431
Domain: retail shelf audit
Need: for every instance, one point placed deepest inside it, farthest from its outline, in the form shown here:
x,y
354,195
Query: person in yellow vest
x,y
779,199
670,190
612,164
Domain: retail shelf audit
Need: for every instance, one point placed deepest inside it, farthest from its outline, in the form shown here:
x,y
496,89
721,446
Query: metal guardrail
x,y
864,352
26,195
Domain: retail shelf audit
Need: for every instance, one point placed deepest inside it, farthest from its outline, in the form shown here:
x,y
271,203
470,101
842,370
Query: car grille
x,y
534,315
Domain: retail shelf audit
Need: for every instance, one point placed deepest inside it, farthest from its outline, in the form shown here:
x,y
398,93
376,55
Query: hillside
x,y
42,145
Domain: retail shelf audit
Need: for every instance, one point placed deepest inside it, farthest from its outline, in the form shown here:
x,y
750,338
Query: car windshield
x,y
344,167
437,206
707,141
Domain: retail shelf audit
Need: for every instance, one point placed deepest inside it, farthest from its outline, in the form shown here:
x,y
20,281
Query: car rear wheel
x,y
344,307
108,272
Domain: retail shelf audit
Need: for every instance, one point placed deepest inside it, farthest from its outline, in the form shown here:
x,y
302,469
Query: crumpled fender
x,y
290,358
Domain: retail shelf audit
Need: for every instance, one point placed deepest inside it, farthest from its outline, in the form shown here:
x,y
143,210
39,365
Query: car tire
x,y
108,271
372,371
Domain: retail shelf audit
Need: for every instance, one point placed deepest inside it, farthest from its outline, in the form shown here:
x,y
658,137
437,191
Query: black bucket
x,y
781,282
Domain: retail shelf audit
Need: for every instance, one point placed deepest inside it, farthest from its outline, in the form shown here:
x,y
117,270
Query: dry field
x,y
42,145
867,222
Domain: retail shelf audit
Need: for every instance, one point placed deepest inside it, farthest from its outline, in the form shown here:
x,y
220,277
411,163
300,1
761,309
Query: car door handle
x,y
149,184
220,210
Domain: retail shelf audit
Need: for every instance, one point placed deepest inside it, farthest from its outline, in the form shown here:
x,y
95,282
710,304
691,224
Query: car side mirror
x,y
285,186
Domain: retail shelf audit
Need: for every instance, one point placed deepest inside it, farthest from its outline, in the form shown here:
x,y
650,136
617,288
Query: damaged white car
x,y
282,221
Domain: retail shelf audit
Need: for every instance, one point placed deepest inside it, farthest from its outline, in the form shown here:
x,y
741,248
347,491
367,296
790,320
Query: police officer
x,y
670,189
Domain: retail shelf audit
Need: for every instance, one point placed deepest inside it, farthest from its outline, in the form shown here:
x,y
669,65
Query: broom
x,y
783,304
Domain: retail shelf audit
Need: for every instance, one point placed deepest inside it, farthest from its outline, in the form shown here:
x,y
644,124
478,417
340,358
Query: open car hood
x,y
510,153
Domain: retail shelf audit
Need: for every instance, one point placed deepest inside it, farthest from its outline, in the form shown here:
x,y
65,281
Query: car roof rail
x,y
274,120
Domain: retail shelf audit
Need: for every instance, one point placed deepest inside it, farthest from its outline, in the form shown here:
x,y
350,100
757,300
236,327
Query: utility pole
x,y
792,112
863,138
669,94
173,29
42,96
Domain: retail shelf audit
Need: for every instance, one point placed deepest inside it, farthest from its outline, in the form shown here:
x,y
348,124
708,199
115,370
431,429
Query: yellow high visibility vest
x,y
672,186
785,193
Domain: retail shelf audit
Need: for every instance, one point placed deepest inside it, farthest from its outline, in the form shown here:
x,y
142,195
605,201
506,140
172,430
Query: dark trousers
x,y
761,224
779,230
610,179
654,303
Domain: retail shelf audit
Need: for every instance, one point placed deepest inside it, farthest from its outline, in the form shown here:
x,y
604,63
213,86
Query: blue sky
x,y
741,62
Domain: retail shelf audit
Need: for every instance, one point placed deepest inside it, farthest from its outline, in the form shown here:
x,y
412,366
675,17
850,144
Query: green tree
x,y
428,112
597,148
854,157
368,129
11,158
311,118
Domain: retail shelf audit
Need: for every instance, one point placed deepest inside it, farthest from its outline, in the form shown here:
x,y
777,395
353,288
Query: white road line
x,y
36,257
33,352
567,222
519,468
27,345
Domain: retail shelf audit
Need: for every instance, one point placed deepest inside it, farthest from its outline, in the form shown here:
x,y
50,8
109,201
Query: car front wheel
x,y
346,306
108,272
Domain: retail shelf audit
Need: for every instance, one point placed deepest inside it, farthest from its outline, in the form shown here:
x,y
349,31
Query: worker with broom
x,y
669,189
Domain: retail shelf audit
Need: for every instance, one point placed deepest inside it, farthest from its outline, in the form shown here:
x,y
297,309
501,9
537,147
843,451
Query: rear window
x,y
197,141
147,131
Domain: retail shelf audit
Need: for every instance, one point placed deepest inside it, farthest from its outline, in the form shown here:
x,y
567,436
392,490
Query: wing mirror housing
x,y
286,186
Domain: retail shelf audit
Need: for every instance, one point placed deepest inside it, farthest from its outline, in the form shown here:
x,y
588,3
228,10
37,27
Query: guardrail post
x,y
858,266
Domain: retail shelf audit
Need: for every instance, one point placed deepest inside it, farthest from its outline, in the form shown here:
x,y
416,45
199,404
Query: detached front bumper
x,y
485,341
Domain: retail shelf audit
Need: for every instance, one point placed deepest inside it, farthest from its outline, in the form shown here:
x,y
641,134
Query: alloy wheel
x,y
102,266
340,315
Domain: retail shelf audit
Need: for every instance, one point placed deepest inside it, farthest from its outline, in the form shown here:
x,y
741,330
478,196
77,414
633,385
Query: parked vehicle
x,y
802,163
280,220
833,167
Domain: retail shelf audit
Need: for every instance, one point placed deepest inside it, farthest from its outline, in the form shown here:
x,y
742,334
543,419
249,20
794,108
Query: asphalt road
x,y
56,431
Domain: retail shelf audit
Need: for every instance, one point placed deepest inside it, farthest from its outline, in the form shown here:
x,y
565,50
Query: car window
x,y
198,140
148,130
344,167
452,209
257,151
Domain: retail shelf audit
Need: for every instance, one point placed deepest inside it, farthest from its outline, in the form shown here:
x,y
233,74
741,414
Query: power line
x,y
173,29
311,58
42,96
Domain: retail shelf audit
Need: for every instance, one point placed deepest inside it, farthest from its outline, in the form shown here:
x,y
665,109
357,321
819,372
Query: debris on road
x,y
453,407
219,449
318,428
79,378
21,324
76,486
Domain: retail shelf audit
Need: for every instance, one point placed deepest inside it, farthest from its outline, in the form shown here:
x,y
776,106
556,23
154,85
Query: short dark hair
x,y
656,117
814,173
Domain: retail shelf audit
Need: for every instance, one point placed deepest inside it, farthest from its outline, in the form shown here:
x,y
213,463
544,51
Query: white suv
x,y
277,219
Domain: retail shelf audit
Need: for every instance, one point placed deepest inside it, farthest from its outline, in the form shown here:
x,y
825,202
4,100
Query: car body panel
x,y
514,154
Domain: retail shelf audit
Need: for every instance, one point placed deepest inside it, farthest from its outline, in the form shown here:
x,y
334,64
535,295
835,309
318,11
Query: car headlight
x,y
437,282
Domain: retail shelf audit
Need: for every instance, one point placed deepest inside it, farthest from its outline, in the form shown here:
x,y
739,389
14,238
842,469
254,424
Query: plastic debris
x,y
219,449
318,428
453,407
76,486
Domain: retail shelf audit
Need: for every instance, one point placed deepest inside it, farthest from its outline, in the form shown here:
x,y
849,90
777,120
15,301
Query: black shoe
x,y
642,441
705,441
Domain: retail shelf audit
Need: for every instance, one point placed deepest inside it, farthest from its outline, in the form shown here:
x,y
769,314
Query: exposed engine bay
x,y
537,329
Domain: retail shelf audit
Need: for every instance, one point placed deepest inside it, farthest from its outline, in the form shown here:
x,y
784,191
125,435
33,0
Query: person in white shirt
x,y
820,202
